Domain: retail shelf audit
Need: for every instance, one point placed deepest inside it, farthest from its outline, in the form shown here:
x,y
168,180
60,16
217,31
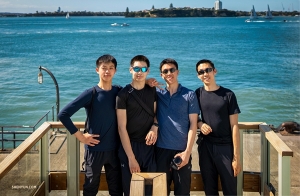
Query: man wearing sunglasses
x,y
218,141
177,115
136,107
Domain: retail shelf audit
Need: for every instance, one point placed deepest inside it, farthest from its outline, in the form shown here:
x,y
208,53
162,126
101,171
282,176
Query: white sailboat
x,y
253,13
268,14
68,16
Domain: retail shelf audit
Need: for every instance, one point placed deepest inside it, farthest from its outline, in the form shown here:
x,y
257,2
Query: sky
x,y
31,6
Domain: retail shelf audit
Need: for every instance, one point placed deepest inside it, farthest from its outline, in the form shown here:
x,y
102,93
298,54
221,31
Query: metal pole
x,y
57,89
2,141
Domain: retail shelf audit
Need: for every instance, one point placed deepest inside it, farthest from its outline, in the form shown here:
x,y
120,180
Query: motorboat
x,y
115,24
124,24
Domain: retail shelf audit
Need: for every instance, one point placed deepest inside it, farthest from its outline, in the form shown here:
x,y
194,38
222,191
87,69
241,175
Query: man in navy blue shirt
x,y
177,115
102,139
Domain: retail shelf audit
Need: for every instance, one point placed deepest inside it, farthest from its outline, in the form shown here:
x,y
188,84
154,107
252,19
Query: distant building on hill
x,y
218,5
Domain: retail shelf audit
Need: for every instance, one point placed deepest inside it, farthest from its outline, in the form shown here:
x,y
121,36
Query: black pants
x,y
181,178
144,155
94,161
215,160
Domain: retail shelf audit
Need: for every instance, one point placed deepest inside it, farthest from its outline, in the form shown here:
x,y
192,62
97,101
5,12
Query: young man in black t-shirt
x,y
218,142
136,124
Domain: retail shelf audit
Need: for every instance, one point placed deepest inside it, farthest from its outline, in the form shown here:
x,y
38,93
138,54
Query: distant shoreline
x,y
155,13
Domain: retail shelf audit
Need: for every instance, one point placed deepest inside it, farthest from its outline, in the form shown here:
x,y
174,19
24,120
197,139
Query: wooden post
x,y
137,185
72,165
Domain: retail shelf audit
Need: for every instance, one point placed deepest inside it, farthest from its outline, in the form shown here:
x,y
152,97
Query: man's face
x,y
106,71
139,71
169,73
206,73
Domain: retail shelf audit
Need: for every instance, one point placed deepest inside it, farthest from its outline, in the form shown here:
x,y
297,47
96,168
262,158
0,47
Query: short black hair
x,y
140,58
107,58
205,61
168,61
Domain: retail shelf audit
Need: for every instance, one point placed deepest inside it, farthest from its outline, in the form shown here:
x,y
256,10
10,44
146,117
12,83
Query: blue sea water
x,y
259,61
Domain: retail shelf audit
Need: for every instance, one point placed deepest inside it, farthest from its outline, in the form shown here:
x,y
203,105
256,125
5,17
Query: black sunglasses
x,y
138,69
207,70
165,71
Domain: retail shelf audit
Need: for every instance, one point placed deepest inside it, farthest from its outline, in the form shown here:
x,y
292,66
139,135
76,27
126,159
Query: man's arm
x,y
185,155
151,137
236,164
87,138
65,114
122,120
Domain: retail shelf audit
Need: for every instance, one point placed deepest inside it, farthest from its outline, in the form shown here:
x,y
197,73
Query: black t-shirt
x,y
216,107
139,121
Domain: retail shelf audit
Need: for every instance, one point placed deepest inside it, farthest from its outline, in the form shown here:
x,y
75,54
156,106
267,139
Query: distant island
x,y
200,12
153,13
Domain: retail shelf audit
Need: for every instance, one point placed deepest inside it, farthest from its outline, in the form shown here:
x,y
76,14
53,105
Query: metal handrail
x,y
15,133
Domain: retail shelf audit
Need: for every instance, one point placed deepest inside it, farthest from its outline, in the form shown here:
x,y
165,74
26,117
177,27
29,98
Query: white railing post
x,y
240,177
73,158
284,172
265,160
284,161
44,161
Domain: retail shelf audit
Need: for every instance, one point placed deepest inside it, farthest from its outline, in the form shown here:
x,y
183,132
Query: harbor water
x,y
259,60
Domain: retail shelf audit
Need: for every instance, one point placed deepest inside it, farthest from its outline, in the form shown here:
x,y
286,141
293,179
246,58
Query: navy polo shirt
x,y
173,117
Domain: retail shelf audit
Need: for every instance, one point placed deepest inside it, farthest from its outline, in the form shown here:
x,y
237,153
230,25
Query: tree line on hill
x,y
199,12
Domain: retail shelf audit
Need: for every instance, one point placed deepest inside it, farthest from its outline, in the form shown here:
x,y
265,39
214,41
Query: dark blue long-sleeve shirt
x,y
102,120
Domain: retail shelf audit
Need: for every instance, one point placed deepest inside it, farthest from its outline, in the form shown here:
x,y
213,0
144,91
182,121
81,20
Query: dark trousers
x,y
215,160
181,178
94,161
144,155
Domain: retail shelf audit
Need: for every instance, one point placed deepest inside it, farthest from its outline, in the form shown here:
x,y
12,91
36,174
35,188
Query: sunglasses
x,y
165,71
207,70
138,69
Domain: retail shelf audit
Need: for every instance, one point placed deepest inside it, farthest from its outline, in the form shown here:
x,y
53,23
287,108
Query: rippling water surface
x,y
259,61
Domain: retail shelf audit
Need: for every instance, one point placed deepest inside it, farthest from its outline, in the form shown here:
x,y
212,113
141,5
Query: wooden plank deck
x,y
58,160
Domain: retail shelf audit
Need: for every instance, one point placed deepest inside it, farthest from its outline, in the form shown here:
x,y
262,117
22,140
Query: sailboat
x,y
253,13
68,16
268,14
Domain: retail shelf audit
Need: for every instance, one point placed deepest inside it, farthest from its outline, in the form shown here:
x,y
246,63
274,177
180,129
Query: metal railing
x,y
13,135
268,137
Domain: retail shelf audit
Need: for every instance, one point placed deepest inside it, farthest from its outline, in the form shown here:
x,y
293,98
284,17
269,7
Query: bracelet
x,y
155,124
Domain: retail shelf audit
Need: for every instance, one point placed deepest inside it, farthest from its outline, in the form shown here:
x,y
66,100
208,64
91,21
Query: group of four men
x,y
140,128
